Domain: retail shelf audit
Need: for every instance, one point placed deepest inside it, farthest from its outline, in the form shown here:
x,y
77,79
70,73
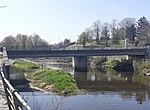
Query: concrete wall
x,y
80,63
148,53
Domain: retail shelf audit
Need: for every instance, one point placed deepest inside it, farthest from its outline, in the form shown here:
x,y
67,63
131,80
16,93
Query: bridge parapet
x,y
43,48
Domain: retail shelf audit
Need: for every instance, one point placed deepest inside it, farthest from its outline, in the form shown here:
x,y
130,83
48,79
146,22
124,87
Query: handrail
x,y
29,48
14,100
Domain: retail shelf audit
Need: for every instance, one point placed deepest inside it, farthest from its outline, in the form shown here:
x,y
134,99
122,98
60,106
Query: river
x,y
105,91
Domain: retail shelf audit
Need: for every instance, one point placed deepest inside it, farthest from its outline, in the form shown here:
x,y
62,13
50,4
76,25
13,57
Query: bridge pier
x,y
148,53
80,63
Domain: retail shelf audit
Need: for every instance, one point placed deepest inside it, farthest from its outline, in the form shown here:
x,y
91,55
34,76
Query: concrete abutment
x,y
79,63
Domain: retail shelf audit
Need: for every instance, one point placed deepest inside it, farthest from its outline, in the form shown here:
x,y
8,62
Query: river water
x,y
105,91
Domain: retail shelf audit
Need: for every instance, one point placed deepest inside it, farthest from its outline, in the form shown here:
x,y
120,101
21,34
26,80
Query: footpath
x,y
3,100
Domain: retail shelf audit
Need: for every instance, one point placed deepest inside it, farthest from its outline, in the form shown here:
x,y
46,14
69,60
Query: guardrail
x,y
29,48
14,100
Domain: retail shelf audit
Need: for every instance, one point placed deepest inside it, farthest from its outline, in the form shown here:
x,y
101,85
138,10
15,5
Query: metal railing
x,y
14,100
29,48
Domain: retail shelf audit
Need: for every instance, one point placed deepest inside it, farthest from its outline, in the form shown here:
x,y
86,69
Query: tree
x,y
131,33
96,29
21,40
35,40
113,27
82,39
126,23
88,34
105,32
8,41
143,30
116,37
66,41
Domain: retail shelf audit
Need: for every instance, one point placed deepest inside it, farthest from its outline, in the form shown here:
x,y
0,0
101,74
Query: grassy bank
x,y
57,81
22,66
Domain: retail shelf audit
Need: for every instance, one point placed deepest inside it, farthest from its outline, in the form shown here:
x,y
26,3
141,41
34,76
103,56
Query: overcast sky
x,y
55,20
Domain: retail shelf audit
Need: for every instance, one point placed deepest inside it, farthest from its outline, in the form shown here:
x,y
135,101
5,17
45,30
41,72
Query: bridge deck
x,y
3,100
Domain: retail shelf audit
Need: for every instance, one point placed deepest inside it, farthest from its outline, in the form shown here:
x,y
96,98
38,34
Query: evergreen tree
x,y
131,33
143,30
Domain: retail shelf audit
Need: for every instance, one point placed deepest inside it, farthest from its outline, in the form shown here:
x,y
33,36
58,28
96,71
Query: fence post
x,y
6,70
17,103
6,92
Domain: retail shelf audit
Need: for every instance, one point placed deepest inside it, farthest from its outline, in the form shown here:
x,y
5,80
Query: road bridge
x,y
79,54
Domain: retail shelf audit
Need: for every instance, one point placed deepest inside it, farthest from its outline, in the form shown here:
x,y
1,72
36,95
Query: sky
x,y
56,20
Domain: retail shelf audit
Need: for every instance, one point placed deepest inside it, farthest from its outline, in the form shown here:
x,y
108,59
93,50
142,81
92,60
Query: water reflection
x,y
121,83
106,90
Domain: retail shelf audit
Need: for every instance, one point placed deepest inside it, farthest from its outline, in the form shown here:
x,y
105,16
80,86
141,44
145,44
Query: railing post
x,y
5,89
16,101
6,70
6,65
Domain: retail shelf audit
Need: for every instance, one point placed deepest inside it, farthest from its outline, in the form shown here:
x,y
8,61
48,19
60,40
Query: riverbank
x,y
121,64
56,81
142,67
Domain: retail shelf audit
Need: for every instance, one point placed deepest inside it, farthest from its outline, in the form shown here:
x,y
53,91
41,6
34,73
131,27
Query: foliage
x,y
24,41
96,29
138,33
60,80
82,39
24,66
105,33
131,33
142,67
143,30
67,41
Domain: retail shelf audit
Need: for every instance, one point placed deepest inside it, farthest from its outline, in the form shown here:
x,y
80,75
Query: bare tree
x,y
126,23
8,41
105,32
96,29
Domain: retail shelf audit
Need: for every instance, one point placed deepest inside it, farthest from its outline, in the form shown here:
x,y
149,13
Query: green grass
x,y
103,43
60,81
23,66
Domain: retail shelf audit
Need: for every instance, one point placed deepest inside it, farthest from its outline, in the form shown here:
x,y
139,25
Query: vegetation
x,y
24,41
24,66
58,81
106,34
137,32
103,63
142,67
